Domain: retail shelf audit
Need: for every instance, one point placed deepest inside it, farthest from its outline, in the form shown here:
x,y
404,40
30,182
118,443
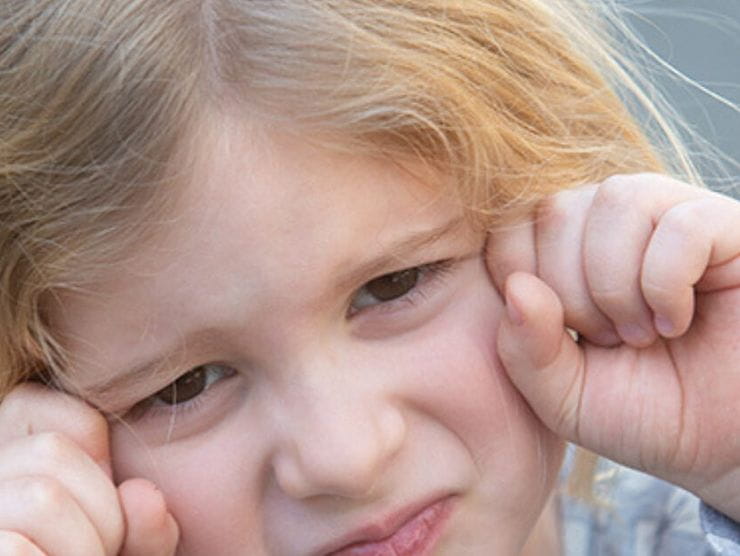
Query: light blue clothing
x,y
639,515
722,532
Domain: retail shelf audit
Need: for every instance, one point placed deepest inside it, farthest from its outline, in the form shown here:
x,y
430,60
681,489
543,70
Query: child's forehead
x,y
287,176
275,206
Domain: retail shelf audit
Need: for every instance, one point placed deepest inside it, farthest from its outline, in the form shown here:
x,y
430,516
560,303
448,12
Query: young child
x,y
311,278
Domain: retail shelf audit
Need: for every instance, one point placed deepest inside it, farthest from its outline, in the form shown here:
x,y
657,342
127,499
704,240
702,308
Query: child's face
x,y
328,405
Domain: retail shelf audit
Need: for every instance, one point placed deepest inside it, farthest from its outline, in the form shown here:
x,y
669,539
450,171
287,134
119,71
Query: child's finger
x,y
561,224
540,357
618,231
511,248
720,277
54,457
33,408
15,544
43,511
690,238
150,528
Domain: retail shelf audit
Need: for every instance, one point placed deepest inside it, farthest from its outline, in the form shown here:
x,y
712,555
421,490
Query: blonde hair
x,y
512,99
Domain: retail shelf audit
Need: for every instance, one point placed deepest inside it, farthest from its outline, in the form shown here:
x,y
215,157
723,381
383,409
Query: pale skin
x,y
648,399
674,272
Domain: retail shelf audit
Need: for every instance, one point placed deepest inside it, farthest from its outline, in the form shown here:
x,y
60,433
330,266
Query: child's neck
x,y
545,537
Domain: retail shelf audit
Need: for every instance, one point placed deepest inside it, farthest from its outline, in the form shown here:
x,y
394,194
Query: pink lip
x,y
412,532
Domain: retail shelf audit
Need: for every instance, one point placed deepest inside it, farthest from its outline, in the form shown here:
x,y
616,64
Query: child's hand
x,y
56,493
647,270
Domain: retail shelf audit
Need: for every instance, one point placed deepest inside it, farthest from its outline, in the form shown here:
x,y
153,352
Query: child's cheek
x,y
462,385
464,376
210,486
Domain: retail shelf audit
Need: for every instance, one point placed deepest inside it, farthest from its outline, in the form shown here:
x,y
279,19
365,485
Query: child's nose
x,y
341,443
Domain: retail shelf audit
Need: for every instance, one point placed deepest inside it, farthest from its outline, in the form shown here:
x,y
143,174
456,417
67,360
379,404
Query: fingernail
x,y
634,334
513,312
664,325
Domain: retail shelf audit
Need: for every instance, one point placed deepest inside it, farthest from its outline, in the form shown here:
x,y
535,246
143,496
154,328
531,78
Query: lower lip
x,y
416,537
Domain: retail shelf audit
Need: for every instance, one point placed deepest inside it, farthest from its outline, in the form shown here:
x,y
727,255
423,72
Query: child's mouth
x,y
416,536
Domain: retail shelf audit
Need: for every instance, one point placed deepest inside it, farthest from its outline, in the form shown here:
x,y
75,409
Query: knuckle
x,y
618,190
684,219
561,206
554,211
660,293
51,447
91,423
19,411
45,495
15,403
610,295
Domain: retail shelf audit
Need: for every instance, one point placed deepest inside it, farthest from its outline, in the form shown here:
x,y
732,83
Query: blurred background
x,y
701,39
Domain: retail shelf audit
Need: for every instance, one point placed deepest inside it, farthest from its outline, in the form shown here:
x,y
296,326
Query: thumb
x,y
540,356
150,528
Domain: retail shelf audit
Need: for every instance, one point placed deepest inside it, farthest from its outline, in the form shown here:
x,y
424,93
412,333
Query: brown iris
x,y
185,388
393,285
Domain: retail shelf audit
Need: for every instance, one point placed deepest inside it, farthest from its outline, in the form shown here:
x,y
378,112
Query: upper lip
x,y
381,528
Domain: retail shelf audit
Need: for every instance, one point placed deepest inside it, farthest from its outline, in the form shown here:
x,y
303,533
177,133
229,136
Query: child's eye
x,y
184,390
396,285
191,384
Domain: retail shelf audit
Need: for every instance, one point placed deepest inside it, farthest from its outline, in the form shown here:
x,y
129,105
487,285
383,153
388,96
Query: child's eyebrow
x,y
105,394
395,252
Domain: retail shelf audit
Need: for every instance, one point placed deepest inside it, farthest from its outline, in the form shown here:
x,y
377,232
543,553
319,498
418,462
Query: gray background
x,y
700,38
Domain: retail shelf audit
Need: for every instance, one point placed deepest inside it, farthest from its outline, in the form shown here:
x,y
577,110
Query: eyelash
x,y
150,407
429,275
